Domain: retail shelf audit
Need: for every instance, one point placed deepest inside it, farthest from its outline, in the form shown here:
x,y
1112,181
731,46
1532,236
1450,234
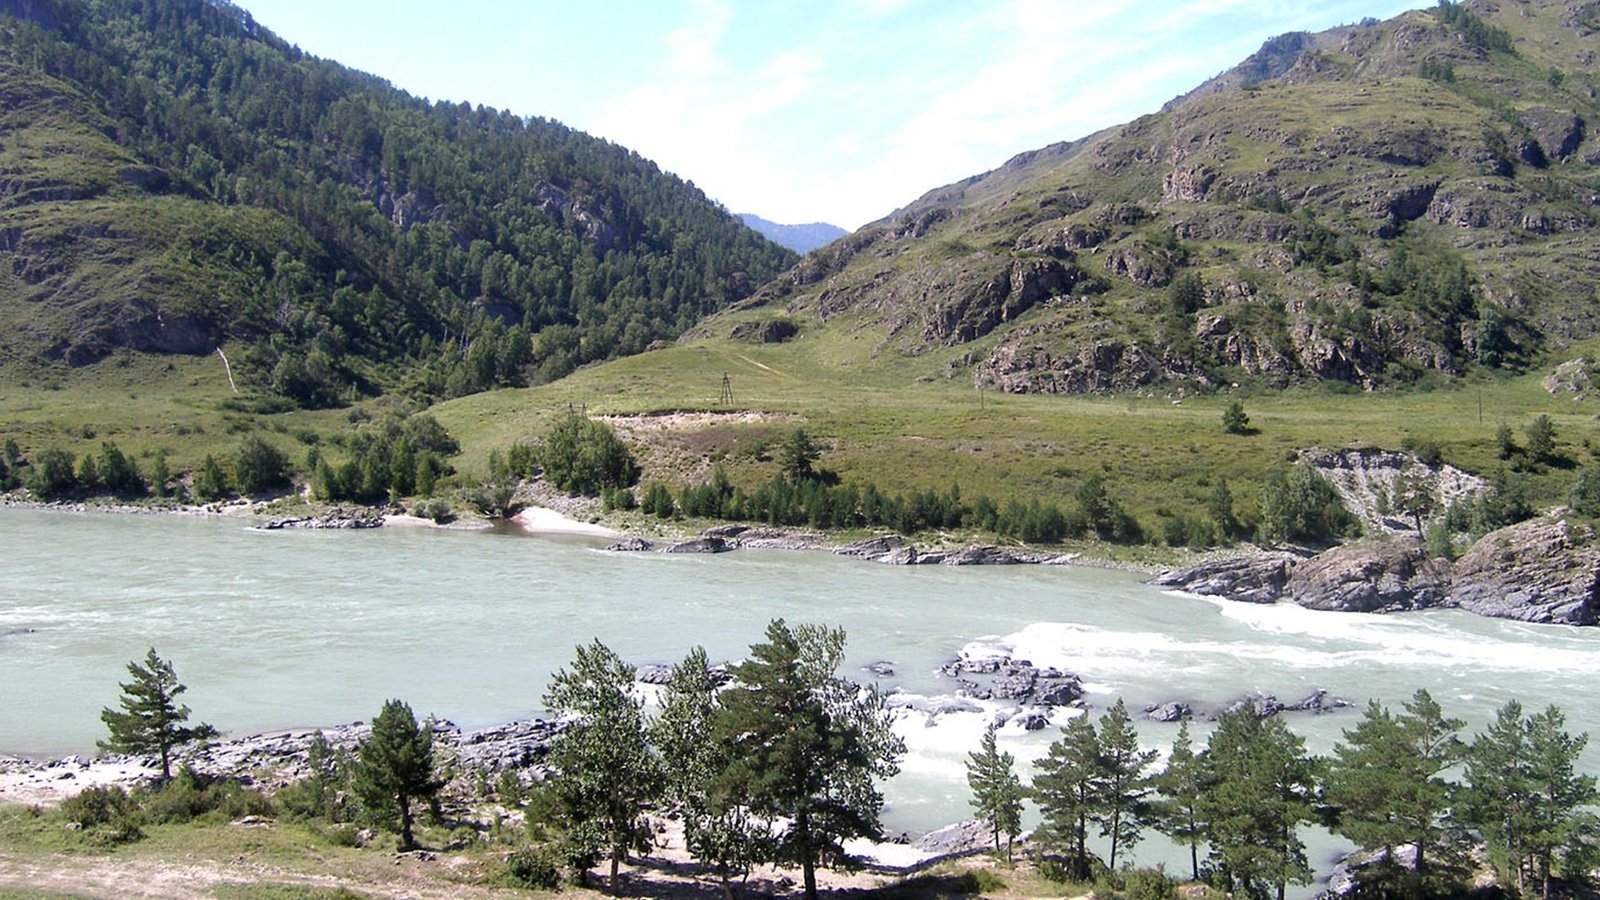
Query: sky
x,y
803,111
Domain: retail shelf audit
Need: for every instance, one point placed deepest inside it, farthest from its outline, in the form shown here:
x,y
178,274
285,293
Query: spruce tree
x,y
394,766
996,790
1180,787
606,776
1125,789
1067,791
807,746
151,721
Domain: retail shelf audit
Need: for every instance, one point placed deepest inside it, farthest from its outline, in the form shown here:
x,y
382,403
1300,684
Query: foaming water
x,y
278,629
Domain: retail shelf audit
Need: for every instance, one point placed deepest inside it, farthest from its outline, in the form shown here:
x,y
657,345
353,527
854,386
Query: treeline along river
x,y
296,628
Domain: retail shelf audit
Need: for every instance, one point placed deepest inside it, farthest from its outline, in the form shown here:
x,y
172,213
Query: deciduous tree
x,y
606,775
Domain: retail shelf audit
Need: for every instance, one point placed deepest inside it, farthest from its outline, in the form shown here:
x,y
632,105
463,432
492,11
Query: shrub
x,y
259,466
534,867
50,473
979,881
1234,418
437,510
581,456
106,814
1302,505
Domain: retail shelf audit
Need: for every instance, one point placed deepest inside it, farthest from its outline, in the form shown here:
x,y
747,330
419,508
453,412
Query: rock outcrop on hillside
x,y
1546,570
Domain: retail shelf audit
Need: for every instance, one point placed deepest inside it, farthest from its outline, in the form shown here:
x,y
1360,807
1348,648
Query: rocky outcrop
x,y
1370,575
1255,578
338,518
1004,678
1539,571
631,545
1574,377
700,545
1546,570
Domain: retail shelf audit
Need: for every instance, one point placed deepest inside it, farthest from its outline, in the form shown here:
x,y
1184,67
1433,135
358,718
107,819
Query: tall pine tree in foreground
x,y
1178,811
1525,797
151,720
996,790
806,746
1067,790
606,775
1258,788
1385,785
1124,788
394,767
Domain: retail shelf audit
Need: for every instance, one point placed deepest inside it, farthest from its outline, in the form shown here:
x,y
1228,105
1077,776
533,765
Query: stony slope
x,y
1375,205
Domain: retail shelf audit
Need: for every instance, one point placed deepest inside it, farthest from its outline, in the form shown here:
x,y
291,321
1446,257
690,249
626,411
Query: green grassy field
x,y
896,422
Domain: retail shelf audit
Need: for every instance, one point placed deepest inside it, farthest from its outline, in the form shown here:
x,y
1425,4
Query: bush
x,y
190,795
979,881
1302,506
534,867
50,473
106,814
437,510
1234,419
582,456
258,466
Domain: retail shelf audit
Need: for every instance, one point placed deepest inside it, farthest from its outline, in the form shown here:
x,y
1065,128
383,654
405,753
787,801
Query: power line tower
x,y
727,391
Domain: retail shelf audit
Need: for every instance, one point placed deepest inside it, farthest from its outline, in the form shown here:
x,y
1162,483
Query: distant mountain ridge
x,y
799,238
174,177
1378,204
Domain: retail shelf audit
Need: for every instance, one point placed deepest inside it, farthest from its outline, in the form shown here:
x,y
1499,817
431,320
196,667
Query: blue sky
x,y
809,110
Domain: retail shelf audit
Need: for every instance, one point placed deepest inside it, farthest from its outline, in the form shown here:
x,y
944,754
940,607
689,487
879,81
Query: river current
x,y
299,628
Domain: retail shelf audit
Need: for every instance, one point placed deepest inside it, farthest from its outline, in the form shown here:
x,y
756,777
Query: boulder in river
x,y
1171,711
700,545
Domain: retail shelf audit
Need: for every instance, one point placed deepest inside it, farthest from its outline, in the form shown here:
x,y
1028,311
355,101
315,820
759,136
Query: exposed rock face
x,y
1257,578
1370,575
1546,570
1575,377
1361,476
1540,571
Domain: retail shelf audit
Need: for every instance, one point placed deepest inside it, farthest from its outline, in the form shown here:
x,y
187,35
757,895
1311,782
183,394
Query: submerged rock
x,y
700,545
631,545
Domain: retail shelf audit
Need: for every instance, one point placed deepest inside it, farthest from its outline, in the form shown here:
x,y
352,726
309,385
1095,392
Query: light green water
x,y
278,629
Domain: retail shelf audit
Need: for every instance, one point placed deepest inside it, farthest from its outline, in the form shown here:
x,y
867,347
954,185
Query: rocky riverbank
x,y
1544,570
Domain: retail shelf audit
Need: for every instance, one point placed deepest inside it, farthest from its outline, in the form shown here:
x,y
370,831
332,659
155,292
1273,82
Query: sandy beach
x,y
543,520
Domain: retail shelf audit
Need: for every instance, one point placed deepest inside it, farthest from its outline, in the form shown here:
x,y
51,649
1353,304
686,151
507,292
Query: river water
x,y
297,628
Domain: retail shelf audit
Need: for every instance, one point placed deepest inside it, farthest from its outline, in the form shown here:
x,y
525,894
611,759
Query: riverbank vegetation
x,y
776,760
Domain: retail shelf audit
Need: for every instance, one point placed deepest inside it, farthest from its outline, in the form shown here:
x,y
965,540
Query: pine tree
x,y
606,775
151,721
1524,796
1125,789
394,766
1384,783
806,745
1180,787
1066,790
718,829
1220,506
996,790
1258,789
210,483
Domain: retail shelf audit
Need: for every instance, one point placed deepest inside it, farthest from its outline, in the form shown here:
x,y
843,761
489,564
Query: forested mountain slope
x,y
1378,204
174,177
